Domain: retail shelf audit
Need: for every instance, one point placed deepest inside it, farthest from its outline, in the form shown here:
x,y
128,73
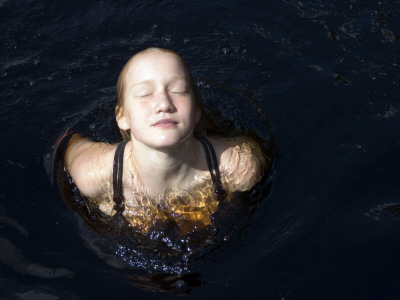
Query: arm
x,y
90,165
242,162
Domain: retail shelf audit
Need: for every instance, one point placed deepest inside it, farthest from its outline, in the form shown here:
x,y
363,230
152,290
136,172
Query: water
x,y
323,74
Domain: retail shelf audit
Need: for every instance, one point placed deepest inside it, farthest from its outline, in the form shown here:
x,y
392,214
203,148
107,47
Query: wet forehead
x,y
145,64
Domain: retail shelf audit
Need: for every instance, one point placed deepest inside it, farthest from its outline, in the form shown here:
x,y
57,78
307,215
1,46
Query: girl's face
x,y
159,106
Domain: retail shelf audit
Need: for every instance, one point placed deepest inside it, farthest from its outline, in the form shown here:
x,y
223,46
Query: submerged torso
x,y
180,225
189,209
188,206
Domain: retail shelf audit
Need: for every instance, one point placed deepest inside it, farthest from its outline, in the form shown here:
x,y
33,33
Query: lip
x,y
164,123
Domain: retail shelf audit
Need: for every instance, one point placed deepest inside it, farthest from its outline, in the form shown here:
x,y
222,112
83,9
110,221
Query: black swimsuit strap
x,y
212,163
118,167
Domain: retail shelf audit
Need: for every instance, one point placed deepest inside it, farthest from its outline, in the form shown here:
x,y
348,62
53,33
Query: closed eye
x,y
144,95
178,87
179,93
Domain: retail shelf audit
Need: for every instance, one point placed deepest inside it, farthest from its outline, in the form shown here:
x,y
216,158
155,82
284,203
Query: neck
x,y
158,169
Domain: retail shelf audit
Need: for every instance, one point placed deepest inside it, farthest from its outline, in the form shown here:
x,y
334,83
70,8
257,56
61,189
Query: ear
x,y
122,121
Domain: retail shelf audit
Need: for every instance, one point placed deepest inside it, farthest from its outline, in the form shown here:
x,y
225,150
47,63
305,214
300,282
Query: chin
x,y
171,141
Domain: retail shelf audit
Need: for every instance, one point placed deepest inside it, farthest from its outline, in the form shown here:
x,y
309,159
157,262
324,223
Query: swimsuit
x,y
212,163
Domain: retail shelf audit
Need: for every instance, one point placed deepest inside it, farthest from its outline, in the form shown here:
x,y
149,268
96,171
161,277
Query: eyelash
x,y
148,95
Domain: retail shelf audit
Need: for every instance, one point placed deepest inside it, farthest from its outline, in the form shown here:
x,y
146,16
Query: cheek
x,y
196,112
189,106
135,111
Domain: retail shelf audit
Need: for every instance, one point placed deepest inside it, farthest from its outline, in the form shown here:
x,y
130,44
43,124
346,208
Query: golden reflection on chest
x,y
189,209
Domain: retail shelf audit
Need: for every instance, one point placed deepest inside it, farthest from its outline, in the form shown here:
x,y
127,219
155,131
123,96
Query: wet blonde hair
x,y
202,125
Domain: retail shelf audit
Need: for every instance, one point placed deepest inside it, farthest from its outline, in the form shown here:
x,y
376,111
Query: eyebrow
x,y
141,83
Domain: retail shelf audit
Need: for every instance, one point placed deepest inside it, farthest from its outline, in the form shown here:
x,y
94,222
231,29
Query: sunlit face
x,y
159,106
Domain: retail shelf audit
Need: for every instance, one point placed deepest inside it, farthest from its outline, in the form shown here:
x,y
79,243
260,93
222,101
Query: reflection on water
x,y
13,257
387,208
162,282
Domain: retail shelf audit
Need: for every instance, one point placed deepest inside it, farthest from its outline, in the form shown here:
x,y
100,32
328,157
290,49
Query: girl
x,y
169,166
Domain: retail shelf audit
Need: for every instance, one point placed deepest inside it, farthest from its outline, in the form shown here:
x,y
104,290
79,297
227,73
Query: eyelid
x,y
179,93
143,93
142,89
180,88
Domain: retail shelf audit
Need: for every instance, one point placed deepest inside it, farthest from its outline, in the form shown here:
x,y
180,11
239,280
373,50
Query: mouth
x,y
165,123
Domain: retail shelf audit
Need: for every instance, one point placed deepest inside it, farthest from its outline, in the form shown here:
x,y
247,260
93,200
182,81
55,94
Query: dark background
x,y
323,74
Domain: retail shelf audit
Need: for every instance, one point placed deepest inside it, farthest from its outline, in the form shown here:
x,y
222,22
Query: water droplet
x,y
180,284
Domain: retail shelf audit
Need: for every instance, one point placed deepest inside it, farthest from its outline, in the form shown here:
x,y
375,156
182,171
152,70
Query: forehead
x,y
155,63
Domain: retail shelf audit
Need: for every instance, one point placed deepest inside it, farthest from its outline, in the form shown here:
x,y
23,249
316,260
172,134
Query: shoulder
x,y
90,165
242,161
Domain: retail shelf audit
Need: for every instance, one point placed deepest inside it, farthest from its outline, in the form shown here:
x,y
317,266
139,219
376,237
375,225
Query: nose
x,y
164,103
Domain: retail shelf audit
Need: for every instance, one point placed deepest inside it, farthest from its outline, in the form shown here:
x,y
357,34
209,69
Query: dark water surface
x,y
323,74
